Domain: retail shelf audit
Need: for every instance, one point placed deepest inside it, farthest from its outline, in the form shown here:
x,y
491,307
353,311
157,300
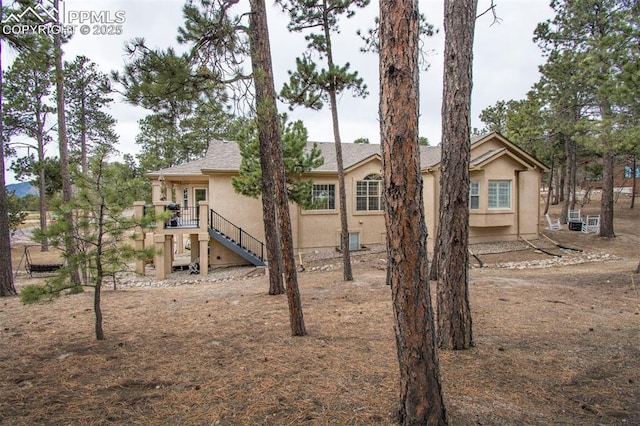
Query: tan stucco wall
x,y
245,212
505,224
321,228
370,224
312,229
431,197
487,145
220,256
487,225
495,224
530,182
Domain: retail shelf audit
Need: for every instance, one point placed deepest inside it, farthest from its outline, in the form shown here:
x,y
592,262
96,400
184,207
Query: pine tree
x,y
297,162
27,112
598,37
310,87
100,233
454,311
421,399
186,104
87,96
63,141
20,42
271,155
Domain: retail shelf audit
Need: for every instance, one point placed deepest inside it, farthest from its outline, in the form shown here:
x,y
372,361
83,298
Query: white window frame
x,y
369,192
474,194
499,194
321,201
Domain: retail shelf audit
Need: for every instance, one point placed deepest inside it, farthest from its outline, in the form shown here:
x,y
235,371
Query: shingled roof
x,y
224,156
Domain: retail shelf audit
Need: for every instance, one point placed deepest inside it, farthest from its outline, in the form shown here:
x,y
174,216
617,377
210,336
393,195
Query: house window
x,y
185,198
323,197
354,241
499,194
474,195
369,193
199,194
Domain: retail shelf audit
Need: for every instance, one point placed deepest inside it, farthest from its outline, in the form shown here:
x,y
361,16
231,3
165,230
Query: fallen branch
x,y
539,249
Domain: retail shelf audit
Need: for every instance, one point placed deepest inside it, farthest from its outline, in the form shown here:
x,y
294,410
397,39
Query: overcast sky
x,y
505,61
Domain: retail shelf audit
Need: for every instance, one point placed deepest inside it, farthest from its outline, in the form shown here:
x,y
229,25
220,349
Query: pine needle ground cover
x,y
554,345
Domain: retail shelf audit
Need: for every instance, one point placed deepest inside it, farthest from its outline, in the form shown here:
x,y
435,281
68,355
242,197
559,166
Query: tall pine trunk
x,y
569,201
606,200
347,273
420,389
7,287
97,290
633,182
454,311
550,186
65,173
42,197
269,134
272,239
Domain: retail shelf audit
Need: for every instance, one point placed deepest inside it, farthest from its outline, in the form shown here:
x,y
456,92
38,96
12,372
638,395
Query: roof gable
x,y
488,157
372,157
481,155
514,151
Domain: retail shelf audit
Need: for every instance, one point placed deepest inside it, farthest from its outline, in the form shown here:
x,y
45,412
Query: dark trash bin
x,y
575,226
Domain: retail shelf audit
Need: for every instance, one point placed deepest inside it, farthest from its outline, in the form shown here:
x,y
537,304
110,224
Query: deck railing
x,y
236,234
183,218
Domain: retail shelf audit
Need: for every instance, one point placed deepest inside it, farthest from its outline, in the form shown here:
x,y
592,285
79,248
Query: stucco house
x,y
225,228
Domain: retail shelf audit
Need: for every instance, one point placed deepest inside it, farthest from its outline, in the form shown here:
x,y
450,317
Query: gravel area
x,y
568,258
328,260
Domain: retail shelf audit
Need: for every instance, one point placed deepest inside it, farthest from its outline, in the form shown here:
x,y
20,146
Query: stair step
x,y
248,253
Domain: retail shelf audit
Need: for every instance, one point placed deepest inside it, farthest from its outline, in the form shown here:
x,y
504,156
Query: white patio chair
x,y
554,225
591,224
574,216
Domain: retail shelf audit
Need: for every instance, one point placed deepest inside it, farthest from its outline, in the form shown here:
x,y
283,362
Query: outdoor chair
x,y
574,216
591,224
554,225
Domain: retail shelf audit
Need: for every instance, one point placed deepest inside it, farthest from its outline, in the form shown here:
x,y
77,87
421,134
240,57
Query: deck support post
x,y
203,239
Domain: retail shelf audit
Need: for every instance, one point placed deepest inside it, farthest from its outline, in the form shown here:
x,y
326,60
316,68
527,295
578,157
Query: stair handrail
x,y
241,238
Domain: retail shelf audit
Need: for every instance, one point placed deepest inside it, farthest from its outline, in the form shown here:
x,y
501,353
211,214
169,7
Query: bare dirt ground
x,y
555,343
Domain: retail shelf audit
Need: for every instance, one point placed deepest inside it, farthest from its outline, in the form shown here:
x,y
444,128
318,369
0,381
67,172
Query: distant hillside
x,y
22,189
